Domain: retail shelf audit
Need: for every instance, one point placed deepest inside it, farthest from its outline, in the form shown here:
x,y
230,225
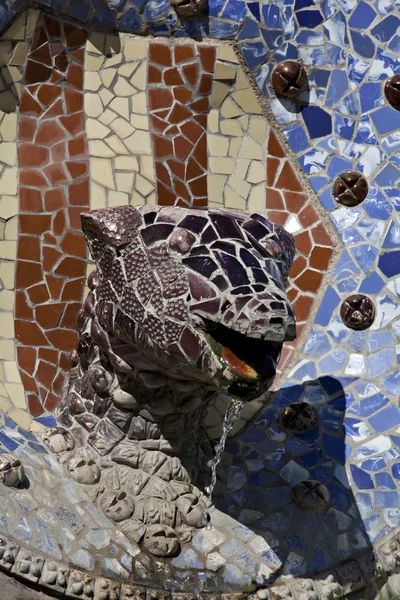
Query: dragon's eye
x,y
182,240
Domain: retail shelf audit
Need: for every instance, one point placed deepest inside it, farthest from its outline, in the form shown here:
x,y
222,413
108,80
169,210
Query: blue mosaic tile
x,y
362,44
387,499
361,478
48,544
84,559
309,18
380,362
8,442
384,481
374,464
389,263
254,53
318,122
366,407
362,16
250,29
235,10
386,119
386,29
372,284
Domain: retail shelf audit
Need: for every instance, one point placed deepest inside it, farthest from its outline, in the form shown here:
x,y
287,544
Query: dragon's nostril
x,y
225,305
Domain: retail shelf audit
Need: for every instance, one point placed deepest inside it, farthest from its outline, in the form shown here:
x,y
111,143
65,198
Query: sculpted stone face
x,y
199,294
84,470
183,304
12,473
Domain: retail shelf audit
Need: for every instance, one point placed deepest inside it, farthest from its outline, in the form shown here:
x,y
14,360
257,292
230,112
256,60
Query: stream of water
x,y
232,414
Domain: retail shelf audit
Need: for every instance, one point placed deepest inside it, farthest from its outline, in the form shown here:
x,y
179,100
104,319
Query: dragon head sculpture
x,y
194,294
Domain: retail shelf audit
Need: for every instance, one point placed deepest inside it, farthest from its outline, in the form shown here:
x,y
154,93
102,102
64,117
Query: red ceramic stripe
x,y
53,169
179,87
285,198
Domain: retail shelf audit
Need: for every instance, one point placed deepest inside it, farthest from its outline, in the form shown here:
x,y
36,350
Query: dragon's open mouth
x,y
249,358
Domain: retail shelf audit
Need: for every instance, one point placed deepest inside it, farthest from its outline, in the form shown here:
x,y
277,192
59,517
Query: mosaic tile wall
x,y
259,151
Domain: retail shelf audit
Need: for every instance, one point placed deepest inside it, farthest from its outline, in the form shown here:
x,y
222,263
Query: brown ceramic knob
x,y
392,91
357,312
350,188
299,416
288,78
311,496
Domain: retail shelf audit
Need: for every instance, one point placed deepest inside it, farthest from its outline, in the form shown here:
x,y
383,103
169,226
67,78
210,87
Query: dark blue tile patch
x,y
309,18
362,44
361,478
389,263
317,120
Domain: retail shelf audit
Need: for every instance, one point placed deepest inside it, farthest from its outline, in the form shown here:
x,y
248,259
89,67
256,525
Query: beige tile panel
x,y
237,134
117,123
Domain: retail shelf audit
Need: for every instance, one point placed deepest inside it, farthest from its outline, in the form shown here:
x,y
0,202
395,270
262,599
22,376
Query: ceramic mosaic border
x,y
351,576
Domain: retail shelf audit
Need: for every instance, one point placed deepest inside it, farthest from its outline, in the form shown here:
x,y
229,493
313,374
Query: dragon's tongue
x,y
238,366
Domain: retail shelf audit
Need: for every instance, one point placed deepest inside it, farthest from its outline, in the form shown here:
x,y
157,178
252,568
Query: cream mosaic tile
x,y
11,230
117,124
237,137
7,274
7,325
7,304
20,417
5,404
7,350
227,53
11,372
16,394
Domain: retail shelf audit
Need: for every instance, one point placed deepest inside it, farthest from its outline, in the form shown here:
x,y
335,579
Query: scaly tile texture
x,y
179,86
53,191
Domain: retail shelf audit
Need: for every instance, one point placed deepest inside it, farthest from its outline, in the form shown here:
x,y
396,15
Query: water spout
x,y
232,414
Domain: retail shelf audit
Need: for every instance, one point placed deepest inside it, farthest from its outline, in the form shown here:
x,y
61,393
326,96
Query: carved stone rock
x,y
58,440
28,565
105,589
54,576
8,552
80,586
